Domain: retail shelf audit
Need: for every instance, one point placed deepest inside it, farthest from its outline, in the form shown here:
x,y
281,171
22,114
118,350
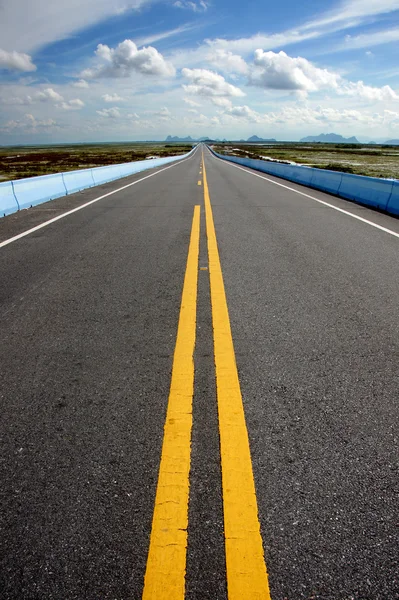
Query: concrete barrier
x,y
24,193
75,181
36,190
393,202
327,181
105,174
370,191
367,190
8,201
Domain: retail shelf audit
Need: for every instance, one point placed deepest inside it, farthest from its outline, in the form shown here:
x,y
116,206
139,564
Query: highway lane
x,y
313,304
90,307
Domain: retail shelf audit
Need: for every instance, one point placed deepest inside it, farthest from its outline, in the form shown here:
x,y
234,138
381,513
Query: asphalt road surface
x,y
199,383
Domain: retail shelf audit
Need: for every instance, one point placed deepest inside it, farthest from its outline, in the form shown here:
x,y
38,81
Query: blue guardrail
x,y
370,191
25,193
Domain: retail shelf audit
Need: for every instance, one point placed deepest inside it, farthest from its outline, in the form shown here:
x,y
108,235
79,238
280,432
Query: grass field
x,y
28,161
374,161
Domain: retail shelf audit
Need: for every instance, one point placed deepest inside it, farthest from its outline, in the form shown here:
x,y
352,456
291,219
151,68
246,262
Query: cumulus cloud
x,y
326,116
112,98
209,83
16,61
16,100
319,116
164,114
35,123
45,95
81,84
279,71
366,92
48,94
191,102
75,104
220,101
348,14
200,6
261,40
227,61
126,59
244,112
29,124
109,113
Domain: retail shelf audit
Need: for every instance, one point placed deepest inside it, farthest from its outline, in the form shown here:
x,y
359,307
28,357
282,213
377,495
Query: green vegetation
x,y
373,160
28,161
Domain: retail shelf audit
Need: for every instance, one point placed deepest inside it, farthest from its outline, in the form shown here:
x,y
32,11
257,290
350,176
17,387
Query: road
x,y
128,470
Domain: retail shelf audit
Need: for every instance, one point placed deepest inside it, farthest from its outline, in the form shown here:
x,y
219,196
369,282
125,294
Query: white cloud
x,y
164,112
44,95
133,116
200,6
16,61
366,40
156,37
350,13
282,72
220,101
48,94
109,113
15,100
367,92
81,84
28,25
326,116
352,10
126,59
209,83
75,104
191,102
227,61
261,40
244,112
112,98
29,124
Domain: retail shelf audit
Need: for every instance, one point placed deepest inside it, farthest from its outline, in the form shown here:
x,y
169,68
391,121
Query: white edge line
x,y
70,212
341,210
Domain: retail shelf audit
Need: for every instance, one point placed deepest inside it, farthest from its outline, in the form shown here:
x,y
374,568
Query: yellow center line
x,y
246,569
166,563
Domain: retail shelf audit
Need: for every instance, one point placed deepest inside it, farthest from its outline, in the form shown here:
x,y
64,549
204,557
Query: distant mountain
x,y
330,138
392,142
255,138
175,138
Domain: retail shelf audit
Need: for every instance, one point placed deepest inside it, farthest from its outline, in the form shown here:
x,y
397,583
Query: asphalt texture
x,y
89,308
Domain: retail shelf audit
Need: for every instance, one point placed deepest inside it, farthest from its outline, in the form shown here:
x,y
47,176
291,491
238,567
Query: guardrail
x,y
25,193
370,191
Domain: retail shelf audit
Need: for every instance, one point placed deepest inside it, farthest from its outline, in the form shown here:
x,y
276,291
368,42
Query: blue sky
x,y
103,70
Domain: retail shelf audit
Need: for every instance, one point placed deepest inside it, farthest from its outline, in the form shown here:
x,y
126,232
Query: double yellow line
x,y
166,563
